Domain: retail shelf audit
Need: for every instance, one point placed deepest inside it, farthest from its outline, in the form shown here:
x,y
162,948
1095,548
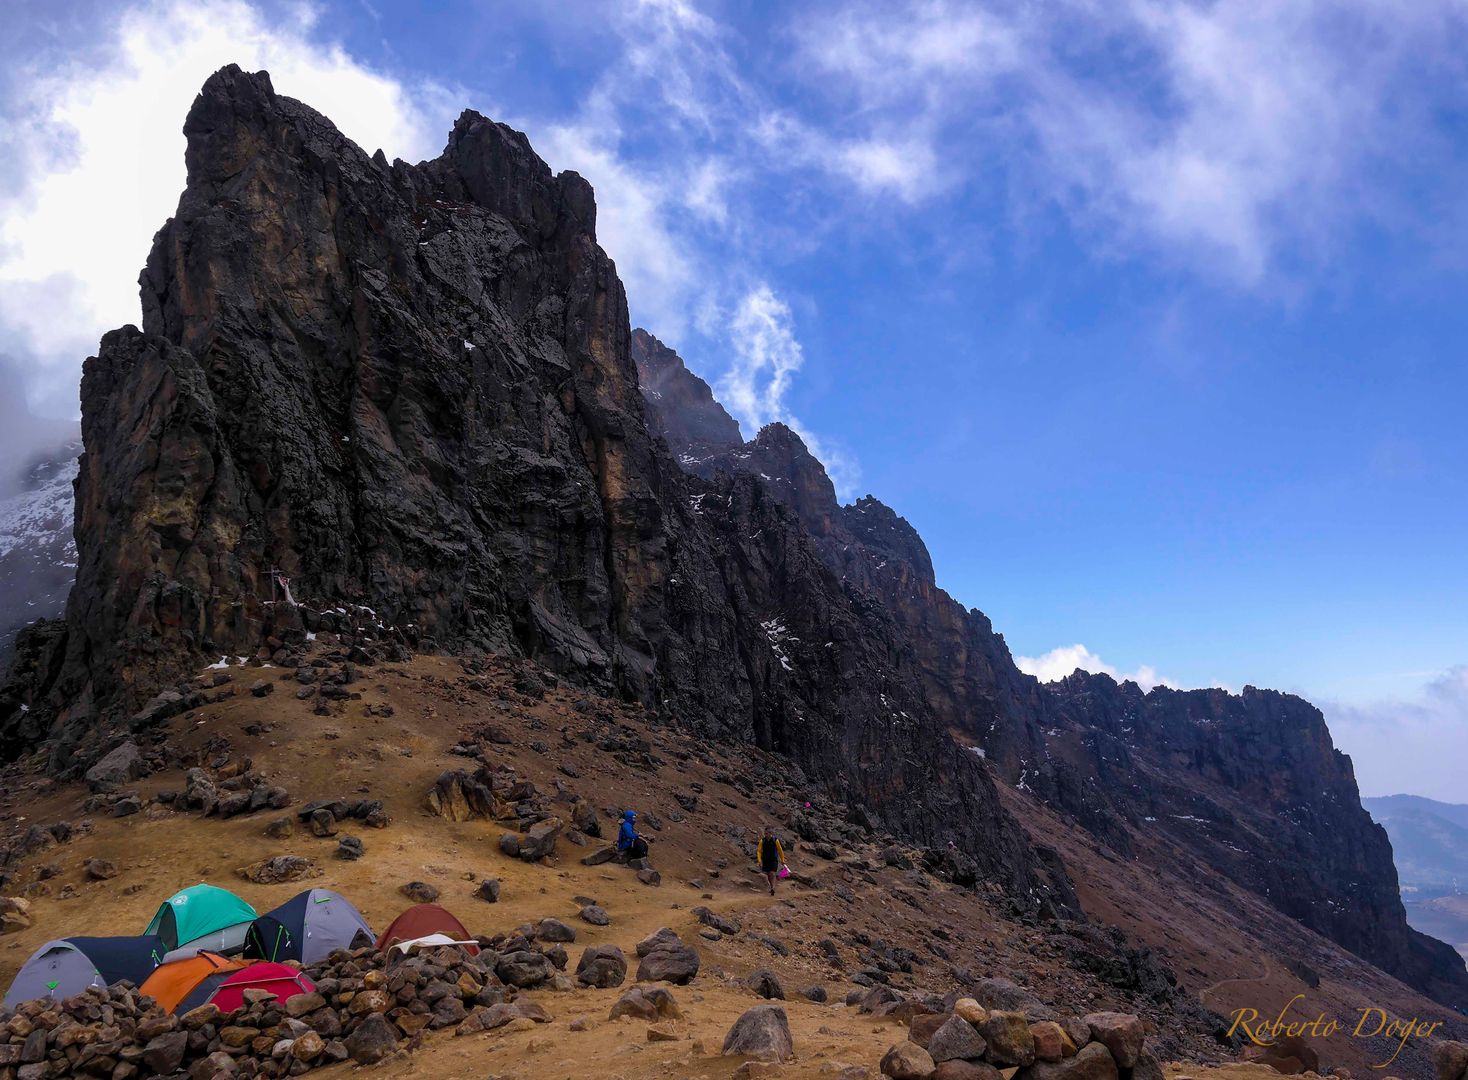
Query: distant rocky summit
x,y
412,391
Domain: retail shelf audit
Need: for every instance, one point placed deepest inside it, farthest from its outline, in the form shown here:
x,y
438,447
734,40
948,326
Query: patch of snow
x,y
468,344
777,634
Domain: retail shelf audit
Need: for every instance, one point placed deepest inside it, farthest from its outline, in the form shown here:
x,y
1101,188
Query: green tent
x,y
202,917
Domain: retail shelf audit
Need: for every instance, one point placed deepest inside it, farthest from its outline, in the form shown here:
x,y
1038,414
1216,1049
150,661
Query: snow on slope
x,y
37,549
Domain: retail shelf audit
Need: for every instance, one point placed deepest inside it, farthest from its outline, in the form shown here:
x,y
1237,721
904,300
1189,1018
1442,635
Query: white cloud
x,y
767,355
100,150
1234,136
1415,744
1065,660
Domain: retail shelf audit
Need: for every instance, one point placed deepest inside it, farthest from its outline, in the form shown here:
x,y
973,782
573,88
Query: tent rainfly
x,y
178,980
278,979
420,920
306,928
67,966
202,917
430,940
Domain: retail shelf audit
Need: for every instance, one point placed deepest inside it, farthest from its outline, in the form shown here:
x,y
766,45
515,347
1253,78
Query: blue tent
x,y
67,966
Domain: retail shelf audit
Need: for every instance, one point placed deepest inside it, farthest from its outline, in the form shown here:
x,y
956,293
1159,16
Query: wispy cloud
x,y
100,149
1067,659
1233,137
767,356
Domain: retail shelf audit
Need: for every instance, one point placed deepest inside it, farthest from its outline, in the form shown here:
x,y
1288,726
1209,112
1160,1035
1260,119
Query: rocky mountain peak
x,y
682,405
413,390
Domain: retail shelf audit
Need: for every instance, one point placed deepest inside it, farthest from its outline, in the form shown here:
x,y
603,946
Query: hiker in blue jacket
x,y
629,841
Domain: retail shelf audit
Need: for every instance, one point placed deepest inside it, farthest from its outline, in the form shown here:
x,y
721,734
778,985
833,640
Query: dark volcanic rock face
x,y
411,389
680,405
1253,780
1249,784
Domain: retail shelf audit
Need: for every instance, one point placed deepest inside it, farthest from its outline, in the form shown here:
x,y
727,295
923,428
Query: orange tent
x,y
420,920
172,982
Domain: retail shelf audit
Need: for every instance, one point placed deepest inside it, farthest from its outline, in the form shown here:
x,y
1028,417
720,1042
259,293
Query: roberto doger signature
x,y
1373,1022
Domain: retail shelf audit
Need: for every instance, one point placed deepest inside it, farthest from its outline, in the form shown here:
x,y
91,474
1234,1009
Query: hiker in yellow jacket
x,y
771,856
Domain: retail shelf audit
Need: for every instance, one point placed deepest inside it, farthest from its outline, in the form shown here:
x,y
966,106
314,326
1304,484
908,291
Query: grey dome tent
x,y
306,928
67,966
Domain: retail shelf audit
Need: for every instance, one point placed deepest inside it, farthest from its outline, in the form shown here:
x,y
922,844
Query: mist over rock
x,y
37,550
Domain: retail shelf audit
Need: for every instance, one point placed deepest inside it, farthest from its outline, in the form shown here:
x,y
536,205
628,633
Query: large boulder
x,y
763,1032
1121,1033
460,797
1005,995
646,1003
120,766
1009,1039
373,1040
15,914
1450,1060
764,983
540,839
601,966
165,1053
524,969
661,936
908,1061
1093,1062
676,964
1051,1041
956,1039
554,930
966,1070
925,1025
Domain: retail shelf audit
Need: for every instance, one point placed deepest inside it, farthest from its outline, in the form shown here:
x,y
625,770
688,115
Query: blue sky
x,y
1148,314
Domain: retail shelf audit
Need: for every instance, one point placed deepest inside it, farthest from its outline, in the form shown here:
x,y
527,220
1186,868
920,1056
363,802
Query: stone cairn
x,y
966,1041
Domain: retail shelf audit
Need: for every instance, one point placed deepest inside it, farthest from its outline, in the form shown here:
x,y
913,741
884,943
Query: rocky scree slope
x,y
1249,784
410,388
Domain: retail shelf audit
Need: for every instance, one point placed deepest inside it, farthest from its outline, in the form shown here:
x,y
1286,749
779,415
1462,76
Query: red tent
x,y
420,920
280,980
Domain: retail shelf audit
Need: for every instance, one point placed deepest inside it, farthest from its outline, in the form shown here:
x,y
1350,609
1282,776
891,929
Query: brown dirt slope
x,y
872,911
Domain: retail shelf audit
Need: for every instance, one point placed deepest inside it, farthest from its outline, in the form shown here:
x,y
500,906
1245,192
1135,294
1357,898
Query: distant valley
x,y
1430,842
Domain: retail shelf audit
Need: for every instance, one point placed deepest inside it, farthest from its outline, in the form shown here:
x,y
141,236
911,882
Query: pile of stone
x,y
495,792
322,816
366,1006
228,791
36,839
970,1042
